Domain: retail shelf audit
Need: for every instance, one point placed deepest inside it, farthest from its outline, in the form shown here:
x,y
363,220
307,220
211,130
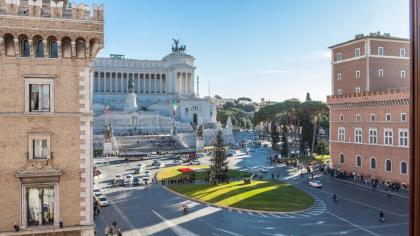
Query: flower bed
x,y
185,170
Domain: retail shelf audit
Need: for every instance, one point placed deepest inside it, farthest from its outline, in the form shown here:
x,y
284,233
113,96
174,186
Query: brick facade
x,y
68,124
385,98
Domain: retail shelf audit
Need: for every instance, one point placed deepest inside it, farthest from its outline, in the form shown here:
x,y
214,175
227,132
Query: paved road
x,y
153,210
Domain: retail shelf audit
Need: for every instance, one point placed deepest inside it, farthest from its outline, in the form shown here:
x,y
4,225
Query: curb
x,y
363,186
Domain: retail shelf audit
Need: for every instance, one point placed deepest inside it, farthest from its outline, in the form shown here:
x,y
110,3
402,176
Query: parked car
x,y
136,171
96,190
97,195
129,179
156,163
120,183
102,201
118,177
264,170
201,155
315,183
195,163
161,165
136,181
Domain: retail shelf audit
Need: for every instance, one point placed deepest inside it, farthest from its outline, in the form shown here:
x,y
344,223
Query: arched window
x,y
9,45
341,158
358,161
373,163
66,47
388,165
25,50
52,48
403,168
38,46
80,48
94,46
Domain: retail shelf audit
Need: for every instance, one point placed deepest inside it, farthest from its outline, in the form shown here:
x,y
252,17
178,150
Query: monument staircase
x,y
147,144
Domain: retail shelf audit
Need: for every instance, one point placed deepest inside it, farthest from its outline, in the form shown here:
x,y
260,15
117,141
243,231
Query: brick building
x,y
46,51
369,107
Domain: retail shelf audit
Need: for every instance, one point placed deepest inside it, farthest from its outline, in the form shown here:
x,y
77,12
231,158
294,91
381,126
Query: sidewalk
x,y
401,193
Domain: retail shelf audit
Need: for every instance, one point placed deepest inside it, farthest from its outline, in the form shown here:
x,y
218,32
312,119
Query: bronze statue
x,y
175,48
130,85
200,131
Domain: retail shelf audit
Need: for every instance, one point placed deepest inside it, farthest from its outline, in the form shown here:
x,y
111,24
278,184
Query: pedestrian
x,y
119,233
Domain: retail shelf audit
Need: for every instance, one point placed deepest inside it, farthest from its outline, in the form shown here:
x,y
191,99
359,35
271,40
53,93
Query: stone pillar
x,y
59,52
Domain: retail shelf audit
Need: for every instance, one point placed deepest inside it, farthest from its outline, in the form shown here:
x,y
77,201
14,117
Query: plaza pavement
x,y
154,210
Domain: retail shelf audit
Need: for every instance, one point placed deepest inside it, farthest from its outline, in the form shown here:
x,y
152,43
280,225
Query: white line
x,y
357,226
119,212
178,230
228,232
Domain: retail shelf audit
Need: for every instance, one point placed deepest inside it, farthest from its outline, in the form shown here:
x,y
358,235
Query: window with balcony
x,y
40,204
388,136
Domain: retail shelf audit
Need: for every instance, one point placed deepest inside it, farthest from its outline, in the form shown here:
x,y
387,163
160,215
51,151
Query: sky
x,y
272,49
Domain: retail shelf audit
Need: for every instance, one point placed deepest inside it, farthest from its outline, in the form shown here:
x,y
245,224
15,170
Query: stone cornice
x,y
370,104
39,168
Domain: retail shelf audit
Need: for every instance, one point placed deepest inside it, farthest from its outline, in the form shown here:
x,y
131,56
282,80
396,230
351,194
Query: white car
x,y
97,195
96,190
201,155
195,163
128,179
103,201
118,177
315,183
264,170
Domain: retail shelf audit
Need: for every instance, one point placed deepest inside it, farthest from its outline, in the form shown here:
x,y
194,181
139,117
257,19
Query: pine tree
x,y
285,145
275,136
308,97
219,164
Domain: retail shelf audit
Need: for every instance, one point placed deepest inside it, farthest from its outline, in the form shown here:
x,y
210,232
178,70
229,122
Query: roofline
x,y
368,37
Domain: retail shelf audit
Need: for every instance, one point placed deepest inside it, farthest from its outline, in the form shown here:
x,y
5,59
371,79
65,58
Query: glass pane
x,y
34,97
45,97
53,49
48,206
34,207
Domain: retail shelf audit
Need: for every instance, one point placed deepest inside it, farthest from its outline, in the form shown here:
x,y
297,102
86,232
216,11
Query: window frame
x,y
401,117
381,73
387,137
341,136
339,56
31,81
24,202
361,161
373,136
372,117
386,117
356,130
403,74
339,76
341,158
370,163
357,89
341,117
404,52
357,52
379,50
385,165
358,118
357,74
406,167
41,136
339,91
407,137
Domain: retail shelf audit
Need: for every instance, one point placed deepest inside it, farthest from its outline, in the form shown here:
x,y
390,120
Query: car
x,y
201,155
195,163
118,177
264,170
161,165
315,183
146,172
136,171
120,183
96,190
136,181
102,201
97,195
128,179
156,163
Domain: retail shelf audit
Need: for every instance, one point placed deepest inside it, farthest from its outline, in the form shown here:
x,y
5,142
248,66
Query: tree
x,y
217,97
284,144
219,164
275,138
244,99
308,97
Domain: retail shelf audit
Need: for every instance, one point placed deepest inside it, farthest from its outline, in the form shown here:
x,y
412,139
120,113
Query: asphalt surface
x,y
153,210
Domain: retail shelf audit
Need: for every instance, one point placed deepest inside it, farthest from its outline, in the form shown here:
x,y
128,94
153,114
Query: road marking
x,y
228,232
133,228
366,205
178,230
353,224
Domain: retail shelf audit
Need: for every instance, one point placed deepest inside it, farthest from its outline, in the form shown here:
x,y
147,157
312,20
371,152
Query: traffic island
x,y
241,192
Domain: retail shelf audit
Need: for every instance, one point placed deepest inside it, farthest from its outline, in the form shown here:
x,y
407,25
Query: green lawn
x,y
323,158
201,173
259,195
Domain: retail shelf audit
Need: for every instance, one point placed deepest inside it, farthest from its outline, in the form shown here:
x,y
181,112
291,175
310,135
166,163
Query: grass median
x,y
200,173
259,195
